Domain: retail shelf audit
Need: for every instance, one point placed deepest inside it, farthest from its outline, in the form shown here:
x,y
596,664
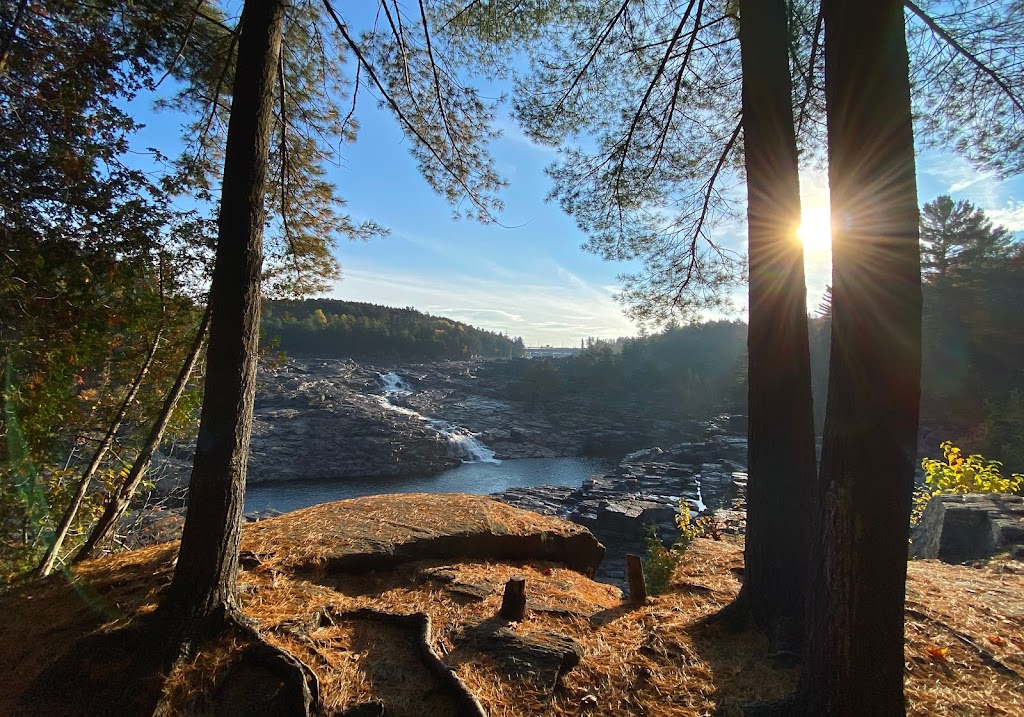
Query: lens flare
x,y
815,231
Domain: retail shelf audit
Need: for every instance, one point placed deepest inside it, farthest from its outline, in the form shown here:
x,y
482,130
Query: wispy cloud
x,y
511,132
559,310
1010,216
954,175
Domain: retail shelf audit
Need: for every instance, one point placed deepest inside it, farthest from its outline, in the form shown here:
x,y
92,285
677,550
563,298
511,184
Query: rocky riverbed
x,y
326,419
334,419
646,489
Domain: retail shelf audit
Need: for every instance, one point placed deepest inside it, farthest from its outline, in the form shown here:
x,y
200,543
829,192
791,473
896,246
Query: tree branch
x,y
402,118
965,53
5,49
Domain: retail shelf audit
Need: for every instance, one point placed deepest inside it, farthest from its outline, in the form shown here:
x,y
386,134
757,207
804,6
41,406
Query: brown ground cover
x,y
964,649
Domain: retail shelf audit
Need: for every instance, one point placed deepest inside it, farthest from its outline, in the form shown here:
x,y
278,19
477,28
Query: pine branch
x,y
965,53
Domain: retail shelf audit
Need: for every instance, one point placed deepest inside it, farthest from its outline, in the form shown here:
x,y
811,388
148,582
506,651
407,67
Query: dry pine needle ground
x,y
964,649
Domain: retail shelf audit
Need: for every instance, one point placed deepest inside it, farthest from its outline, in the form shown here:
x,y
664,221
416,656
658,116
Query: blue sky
x,y
530,277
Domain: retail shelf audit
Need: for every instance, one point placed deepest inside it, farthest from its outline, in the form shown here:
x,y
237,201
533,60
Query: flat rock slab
x,y
541,656
958,528
379,532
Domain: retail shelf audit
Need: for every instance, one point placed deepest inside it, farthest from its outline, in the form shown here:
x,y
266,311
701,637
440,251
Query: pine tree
x,y
859,558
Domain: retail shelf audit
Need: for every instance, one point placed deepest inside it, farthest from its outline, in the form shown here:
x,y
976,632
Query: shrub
x,y
660,561
955,474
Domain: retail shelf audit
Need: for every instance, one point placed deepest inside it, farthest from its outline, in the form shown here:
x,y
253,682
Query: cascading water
x,y
462,443
394,385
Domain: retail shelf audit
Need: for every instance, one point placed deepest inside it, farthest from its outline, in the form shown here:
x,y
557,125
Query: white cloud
x,y
559,310
1010,216
954,175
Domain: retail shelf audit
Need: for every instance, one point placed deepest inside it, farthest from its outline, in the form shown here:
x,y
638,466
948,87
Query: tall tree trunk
x,y
859,566
52,553
204,585
781,460
119,502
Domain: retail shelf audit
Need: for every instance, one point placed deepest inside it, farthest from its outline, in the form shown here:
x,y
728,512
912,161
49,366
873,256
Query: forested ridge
x,y
333,327
689,370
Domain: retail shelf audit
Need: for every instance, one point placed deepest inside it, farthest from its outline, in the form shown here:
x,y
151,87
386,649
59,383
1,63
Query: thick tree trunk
x,y
855,616
781,460
50,559
122,498
204,583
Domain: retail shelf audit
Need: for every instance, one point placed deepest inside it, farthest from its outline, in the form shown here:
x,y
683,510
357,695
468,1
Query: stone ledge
x,y
959,528
381,531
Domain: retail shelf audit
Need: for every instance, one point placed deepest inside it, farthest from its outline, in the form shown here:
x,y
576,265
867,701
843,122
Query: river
x,y
480,473
480,477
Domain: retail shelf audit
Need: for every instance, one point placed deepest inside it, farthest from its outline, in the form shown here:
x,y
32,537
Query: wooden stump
x,y
635,575
513,603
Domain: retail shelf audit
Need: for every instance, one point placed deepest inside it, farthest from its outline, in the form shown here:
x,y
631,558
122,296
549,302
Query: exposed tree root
x,y
467,703
785,641
124,671
262,679
734,616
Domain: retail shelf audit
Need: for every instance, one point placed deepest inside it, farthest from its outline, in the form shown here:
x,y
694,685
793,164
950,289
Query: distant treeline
x,y
683,370
356,329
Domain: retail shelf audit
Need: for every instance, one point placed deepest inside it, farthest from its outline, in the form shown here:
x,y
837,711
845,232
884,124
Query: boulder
x,y
958,528
382,531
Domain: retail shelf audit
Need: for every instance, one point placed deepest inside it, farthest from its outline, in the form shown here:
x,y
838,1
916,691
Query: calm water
x,y
480,478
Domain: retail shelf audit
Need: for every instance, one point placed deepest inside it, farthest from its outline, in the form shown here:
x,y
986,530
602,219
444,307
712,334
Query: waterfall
x,y
394,385
462,443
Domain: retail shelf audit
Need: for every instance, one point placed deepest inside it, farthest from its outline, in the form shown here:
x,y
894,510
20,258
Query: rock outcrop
x,y
959,528
645,490
382,531
320,418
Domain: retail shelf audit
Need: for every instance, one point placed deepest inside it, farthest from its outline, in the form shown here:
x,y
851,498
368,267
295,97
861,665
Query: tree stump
x,y
513,603
635,575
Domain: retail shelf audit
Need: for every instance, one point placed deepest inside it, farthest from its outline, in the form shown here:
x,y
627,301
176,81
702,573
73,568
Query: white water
x,y
462,443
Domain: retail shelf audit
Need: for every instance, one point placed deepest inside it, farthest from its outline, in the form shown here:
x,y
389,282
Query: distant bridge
x,y
551,351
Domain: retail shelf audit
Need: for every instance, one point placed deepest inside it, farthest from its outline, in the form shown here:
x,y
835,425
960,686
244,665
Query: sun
x,y
815,231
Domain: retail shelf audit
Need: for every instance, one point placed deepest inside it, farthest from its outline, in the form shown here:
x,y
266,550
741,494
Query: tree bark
x,y
635,577
53,552
858,572
204,584
119,502
513,601
781,459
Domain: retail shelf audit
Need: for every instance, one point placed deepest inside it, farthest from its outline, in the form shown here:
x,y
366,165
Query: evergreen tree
x,y
780,456
959,243
855,618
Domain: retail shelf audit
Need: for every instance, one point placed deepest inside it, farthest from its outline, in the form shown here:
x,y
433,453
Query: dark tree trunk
x,y
781,460
122,498
204,583
859,566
